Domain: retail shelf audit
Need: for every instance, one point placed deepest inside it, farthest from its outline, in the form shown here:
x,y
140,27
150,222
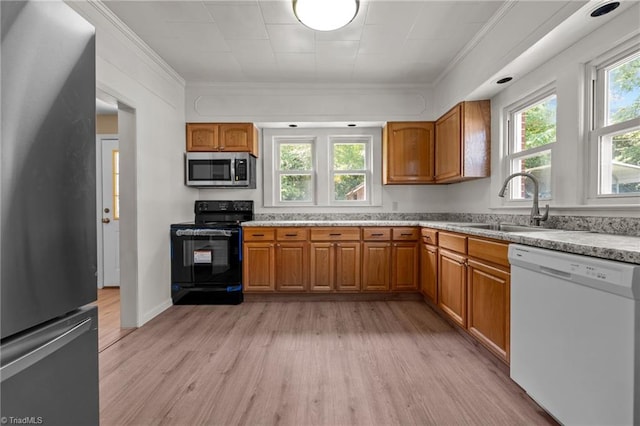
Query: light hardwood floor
x,y
109,330
305,363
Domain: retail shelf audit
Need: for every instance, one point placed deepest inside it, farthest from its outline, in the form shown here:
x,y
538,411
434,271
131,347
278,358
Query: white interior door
x,y
111,212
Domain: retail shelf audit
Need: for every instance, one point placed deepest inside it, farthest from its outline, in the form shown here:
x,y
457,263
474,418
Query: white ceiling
x,y
389,42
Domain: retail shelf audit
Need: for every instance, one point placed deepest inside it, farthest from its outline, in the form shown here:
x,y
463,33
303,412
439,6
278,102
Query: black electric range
x,y
206,255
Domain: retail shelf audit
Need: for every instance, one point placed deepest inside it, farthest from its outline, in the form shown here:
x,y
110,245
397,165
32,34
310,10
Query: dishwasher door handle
x,y
554,272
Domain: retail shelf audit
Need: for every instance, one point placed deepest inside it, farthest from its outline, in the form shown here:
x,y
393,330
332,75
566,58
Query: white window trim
x,y
323,179
509,134
277,173
367,171
595,128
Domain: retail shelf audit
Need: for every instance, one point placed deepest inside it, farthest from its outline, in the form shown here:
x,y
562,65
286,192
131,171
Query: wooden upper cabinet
x,y
463,142
225,137
202,137
408,152
241,137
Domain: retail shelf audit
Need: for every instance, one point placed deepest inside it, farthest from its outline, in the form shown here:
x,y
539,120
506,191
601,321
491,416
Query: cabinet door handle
x,y
377,235
257,235
335,235
406,235
291,235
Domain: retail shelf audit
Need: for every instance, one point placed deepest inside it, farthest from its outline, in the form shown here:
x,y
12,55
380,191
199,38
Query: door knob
x,y
106,220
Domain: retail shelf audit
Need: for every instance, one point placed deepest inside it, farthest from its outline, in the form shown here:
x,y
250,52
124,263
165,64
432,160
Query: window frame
x,y
367,171
597,129
509,156
278,173
323,186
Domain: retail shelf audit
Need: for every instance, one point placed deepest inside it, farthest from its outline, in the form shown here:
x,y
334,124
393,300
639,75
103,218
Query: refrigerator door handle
x,y
27,360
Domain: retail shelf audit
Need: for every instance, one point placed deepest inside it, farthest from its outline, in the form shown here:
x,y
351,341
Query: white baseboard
x,y
148,316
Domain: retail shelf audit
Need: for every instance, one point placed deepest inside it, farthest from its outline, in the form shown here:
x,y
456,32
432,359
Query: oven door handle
x,y
205,232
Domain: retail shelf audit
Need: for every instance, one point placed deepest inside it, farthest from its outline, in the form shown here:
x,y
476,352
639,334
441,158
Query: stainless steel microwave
x,y
220,169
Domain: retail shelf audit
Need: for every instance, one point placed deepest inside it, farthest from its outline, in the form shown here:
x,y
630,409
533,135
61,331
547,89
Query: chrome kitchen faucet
x,y
536,217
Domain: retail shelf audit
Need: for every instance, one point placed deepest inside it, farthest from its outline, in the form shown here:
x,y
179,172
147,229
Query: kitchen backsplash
x,y
604,225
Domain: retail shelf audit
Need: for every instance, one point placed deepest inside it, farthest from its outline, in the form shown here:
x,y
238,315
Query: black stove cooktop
x,y
221,212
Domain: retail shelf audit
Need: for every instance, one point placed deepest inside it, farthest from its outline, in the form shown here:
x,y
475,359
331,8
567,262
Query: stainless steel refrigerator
x,y
49,342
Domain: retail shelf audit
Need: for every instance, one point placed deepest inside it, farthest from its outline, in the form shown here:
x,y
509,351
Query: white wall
x,y
567,70
318,104
136,77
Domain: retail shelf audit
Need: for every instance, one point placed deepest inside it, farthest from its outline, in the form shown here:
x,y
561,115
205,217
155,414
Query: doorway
x,y
115,181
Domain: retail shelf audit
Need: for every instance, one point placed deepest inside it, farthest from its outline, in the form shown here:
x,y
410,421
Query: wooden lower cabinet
x,y
452,286
405,266
347,277
376,266
258,266
292,266
334,267
322,266
489,306
429,272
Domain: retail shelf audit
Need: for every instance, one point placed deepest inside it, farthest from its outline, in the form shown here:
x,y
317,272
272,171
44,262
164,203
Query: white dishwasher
x,y
575,335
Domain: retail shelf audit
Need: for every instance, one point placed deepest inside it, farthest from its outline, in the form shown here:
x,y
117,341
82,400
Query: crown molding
x,y
99,6
497,17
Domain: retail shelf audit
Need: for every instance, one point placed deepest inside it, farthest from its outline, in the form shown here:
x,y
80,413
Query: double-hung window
x,y
295,171
350,170
614,136
531,138
329,167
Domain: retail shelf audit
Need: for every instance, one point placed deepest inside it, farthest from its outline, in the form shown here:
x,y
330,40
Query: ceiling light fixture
x,y
325,15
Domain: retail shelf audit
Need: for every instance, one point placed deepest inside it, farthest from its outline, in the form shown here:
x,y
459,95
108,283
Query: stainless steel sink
x,y
506,227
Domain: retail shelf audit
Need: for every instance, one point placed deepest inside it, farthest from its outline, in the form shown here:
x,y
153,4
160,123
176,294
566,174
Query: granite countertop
x,y
605,246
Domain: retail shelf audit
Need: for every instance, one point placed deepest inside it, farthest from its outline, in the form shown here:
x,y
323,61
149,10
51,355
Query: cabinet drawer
x,y
336,233
453,242
376,234
259,234
491,251
292,234
405,234
429,236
